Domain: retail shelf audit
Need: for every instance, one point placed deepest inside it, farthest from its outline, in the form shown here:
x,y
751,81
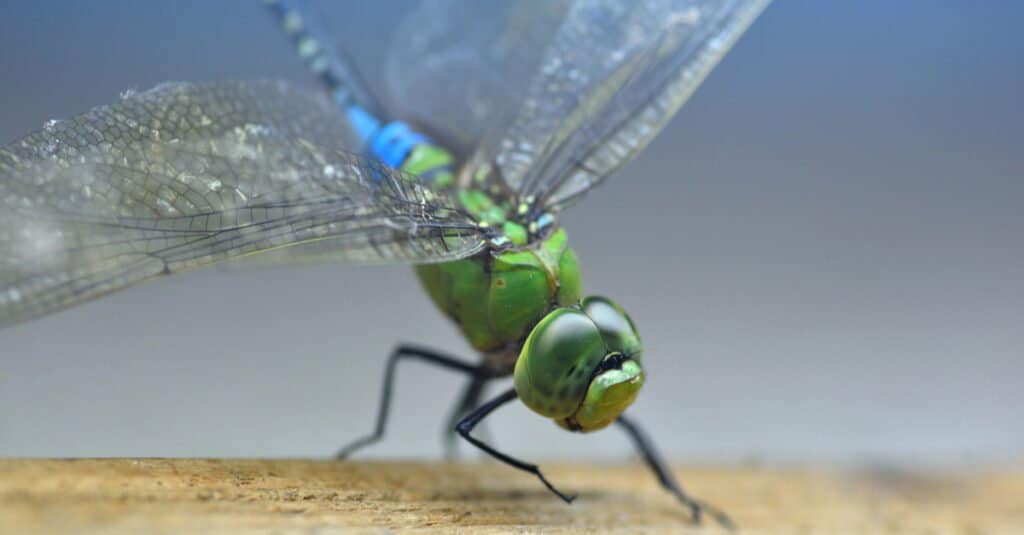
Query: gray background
x,y
823,254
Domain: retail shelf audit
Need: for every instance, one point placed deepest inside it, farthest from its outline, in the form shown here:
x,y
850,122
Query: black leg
x,y
468,401
668,481
402,352
466,425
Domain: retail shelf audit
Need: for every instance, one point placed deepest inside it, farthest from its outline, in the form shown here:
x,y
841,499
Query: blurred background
x,y
823,253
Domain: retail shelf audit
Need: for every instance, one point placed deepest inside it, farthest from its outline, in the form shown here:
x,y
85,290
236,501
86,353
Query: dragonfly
x,y
492,130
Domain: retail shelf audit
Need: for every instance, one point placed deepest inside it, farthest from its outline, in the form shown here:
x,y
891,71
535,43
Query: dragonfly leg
x,y
697,507
466,425
468,401
406,352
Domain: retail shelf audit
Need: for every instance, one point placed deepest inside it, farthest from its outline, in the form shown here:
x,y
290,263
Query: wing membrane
x,y
186,175
613,76
460,68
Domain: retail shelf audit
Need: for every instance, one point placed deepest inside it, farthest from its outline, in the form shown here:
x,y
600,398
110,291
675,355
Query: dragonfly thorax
x,y
498,295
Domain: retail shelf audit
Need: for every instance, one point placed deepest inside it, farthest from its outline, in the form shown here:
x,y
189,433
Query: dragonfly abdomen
x,y
497,298
394,143
403,148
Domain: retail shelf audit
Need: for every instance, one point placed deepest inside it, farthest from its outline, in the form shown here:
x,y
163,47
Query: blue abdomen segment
x,y
362,121
390,143
401,147
394,141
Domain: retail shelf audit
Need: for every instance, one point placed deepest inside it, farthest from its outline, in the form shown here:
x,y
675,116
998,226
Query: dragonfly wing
x,y
613,76
186,175
460,68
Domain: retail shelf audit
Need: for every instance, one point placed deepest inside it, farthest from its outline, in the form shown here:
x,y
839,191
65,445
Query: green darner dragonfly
x,y
515,117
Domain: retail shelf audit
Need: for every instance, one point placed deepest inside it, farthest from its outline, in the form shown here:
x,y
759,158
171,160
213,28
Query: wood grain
x,y
303,496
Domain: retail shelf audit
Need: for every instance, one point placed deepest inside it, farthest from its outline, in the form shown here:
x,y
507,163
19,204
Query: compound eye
x,y
614,324
557,362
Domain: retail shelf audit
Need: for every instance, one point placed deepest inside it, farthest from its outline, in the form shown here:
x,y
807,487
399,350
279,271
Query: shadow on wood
x,y
299,496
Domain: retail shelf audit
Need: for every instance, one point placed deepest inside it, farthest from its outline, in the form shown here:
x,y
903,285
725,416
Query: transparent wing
x,y
186,175
460,68
613,76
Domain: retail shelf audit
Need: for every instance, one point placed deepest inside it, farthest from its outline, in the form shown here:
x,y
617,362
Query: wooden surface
x,y
295,496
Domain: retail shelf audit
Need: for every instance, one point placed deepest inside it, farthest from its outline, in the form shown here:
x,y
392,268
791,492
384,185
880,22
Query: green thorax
x,y
479,195
496,297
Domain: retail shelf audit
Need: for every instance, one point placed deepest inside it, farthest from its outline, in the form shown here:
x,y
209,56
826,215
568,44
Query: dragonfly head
x,y
580,366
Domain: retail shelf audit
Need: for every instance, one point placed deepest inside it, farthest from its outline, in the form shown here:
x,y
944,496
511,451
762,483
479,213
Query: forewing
x,y
613,76
186,175
460,68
